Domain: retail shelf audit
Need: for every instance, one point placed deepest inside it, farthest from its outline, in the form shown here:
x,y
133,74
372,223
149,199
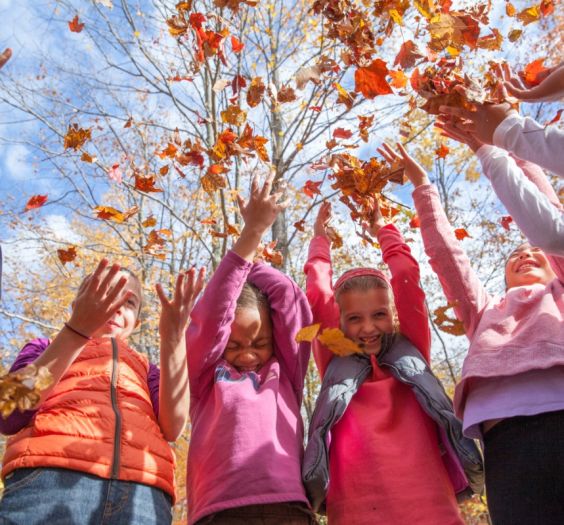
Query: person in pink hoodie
x,y
246,377
511,393
385,461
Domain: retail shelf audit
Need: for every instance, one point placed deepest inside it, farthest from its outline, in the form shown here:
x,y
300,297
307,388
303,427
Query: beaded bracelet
x,y
77,332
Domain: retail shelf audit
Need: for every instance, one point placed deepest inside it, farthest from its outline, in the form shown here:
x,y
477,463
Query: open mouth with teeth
x,y
363,342
526,266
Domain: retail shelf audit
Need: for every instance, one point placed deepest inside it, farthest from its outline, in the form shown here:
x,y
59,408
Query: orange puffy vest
x,y
98,419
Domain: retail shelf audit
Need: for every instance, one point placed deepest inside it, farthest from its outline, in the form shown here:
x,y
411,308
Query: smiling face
x,y
125,319
366,315
250,344
527,265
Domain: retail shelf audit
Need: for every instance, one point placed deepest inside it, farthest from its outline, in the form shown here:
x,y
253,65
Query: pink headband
x,y
360,272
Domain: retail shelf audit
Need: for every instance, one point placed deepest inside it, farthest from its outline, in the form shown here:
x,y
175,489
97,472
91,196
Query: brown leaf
x,y
146,184
255,92
234,115
447,324
408,54
67,255
286,94
76,137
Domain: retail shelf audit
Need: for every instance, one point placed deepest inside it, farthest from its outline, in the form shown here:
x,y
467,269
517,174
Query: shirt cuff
x,y
505,125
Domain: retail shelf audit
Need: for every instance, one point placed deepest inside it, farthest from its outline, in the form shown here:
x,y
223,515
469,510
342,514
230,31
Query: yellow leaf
x,y
336,341
396,17
308,333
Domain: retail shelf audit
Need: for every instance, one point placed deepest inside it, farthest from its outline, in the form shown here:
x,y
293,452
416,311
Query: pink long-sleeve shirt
x,y
385,465
246,445
521,332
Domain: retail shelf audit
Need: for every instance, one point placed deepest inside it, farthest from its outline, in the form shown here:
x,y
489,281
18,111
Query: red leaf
x,y
442,151
317,109
415,222
35,202
461,233
341,133
311,188
371,80
196,20
506,220
236,45
238,83
75,26
408,54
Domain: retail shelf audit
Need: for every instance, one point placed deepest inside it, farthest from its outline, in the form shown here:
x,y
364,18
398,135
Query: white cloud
x,y
16,162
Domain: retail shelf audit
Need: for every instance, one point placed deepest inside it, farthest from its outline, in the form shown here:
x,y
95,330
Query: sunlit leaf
x,y
35,202
505,221
308,333
76,137
68,255
371,80
448,324
336,341
461,233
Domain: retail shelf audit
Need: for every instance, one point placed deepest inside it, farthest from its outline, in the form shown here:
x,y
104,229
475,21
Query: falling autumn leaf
x,y
114,173
300,225
109,213
236,45
408,54
556,118
149,222
415,222
514,35
461,233
35,202
234,115
505,221
312,188
529,15
341,133
67,255
146,184
336,341
75,26
371,80
76,137
442,151
399,80
21,390
448,324
308,333
255,92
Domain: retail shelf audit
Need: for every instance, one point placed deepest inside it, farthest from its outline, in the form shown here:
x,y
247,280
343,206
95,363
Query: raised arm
x,y
448,260
408,294
319,286
539,217
211,320
289,312
212,316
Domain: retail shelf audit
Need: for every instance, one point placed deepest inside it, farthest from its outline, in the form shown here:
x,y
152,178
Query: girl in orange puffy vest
x,y
95,449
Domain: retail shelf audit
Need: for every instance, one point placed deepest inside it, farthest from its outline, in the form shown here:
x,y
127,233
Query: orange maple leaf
x,y
461,233
442,151
146,184
255,92
236,45
35,202
308,333
336,341
76,137
342,133
371,80
534,73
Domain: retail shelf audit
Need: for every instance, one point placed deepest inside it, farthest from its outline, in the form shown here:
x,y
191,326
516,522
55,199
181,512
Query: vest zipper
x,y
115,407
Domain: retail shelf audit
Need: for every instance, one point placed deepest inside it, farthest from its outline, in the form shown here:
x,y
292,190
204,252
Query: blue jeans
x,y
55,496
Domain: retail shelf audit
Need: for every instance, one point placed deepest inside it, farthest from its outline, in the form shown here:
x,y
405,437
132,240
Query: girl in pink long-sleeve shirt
x,y
385,464
512,387
246,380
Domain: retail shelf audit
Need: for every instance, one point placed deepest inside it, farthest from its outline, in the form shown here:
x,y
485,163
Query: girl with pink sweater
x,y
385,460
246,377
512,389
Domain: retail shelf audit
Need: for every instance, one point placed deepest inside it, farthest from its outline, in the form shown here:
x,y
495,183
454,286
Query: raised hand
x,y
175,313
550,88
481,121
413,170
100,297
322,220
377,221
259,214
453,129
